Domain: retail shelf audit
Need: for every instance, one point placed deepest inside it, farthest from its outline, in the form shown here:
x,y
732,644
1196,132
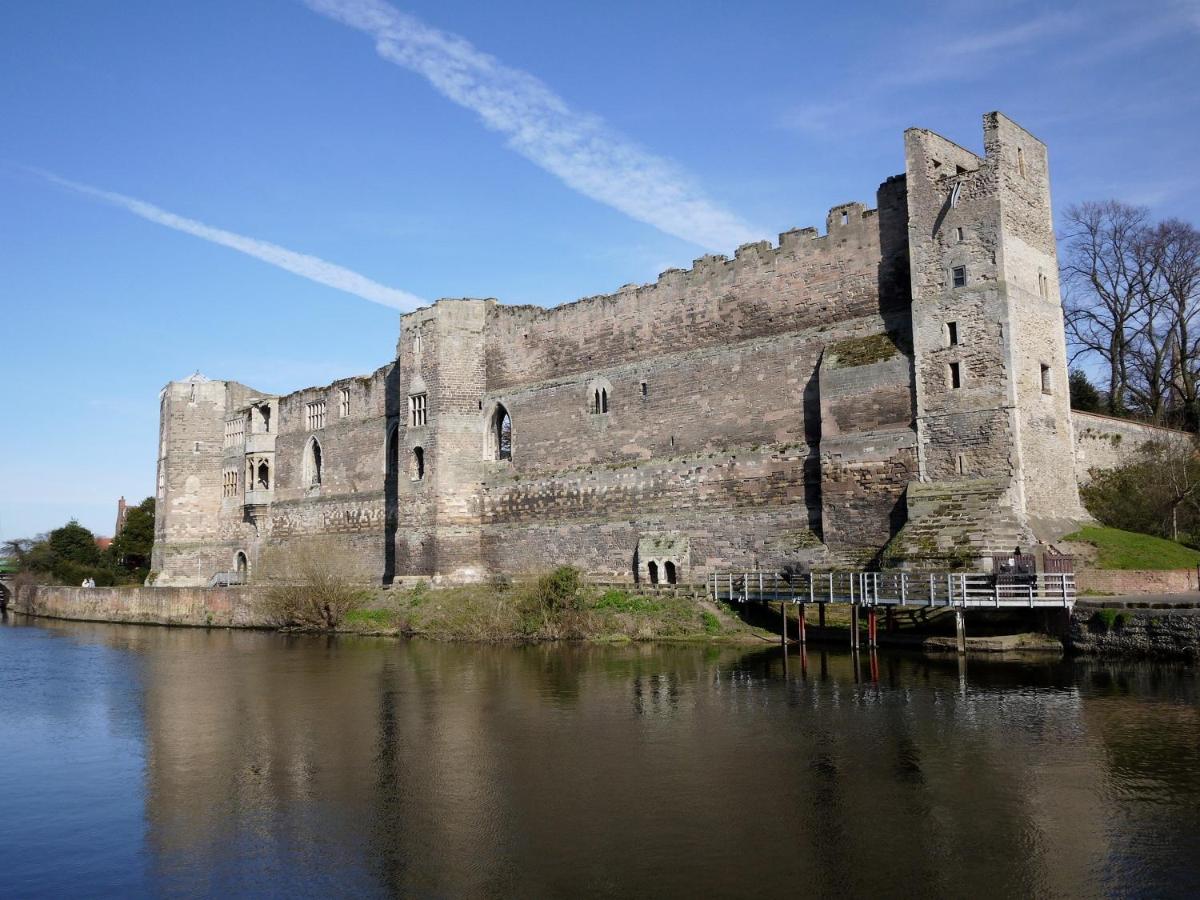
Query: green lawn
x,y
1117,549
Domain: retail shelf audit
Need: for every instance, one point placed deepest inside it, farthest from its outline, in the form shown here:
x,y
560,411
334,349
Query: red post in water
x,y
800,622
872,627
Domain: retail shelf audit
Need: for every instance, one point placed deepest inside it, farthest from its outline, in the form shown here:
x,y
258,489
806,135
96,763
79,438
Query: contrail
x,y
578,148
310,267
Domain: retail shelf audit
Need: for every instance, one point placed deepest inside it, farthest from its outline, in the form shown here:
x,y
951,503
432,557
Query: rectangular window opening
x,y
645,390
955,376
314,415
1045,379
959,275
959,234
951,334
417,410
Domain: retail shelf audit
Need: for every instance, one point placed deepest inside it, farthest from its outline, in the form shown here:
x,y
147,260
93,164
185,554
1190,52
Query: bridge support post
x,y
960,631
821,617
854,626
800,623
783,622
872,628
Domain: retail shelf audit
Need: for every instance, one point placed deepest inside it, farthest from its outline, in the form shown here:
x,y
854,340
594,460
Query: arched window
x,y
596,403
391,461
418,463
604,400
652,568
241,565
264,477
312,463
669,570
502,432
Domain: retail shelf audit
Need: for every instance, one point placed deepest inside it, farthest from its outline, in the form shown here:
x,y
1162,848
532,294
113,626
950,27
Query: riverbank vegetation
x,y
72,553
308,585
556,606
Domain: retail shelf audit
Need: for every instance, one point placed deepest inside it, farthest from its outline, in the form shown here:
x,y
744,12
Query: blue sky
x,y
534,152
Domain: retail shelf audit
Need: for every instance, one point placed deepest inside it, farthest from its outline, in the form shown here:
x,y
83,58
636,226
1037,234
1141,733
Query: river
x,y
141,761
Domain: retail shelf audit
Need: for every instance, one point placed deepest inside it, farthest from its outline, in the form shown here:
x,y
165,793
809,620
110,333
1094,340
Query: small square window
x,y
955,376
845,218
959,275
951,334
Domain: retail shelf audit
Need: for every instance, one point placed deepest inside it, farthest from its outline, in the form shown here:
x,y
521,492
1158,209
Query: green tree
x,y
1084,395
74,544
131,548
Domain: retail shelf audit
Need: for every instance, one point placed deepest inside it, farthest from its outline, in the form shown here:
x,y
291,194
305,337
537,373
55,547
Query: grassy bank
x,y
1117,549
543,610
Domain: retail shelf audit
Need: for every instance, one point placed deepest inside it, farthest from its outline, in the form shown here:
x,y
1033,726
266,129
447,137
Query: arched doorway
x,y
652,568
669,571
241,565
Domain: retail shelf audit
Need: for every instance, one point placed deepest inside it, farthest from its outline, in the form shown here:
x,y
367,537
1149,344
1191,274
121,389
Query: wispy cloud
x,y
311,267
580,149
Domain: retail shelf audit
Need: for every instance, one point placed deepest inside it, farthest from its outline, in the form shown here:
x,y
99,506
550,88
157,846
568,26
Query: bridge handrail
x,y
898,588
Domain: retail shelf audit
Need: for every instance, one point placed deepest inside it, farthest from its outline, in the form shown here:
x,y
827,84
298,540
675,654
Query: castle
x,y
895,388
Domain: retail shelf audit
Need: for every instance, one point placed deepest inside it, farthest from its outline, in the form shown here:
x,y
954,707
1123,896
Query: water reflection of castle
x,y
369,767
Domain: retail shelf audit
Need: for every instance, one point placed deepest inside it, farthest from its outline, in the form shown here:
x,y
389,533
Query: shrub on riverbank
x,y
308,584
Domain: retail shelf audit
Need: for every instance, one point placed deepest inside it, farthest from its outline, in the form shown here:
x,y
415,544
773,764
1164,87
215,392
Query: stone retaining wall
x,y
218,607
1131,581
1159,633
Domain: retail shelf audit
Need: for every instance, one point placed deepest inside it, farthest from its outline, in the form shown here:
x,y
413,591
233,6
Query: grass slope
x,y
489,613
1117,549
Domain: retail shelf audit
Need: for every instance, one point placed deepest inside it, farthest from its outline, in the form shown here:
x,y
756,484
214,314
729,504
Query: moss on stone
x,y
862,351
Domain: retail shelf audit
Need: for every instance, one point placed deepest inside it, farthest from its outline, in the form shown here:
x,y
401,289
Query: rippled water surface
x,y
150,761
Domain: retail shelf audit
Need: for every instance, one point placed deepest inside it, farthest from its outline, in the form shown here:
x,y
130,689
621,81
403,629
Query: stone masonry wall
x,y
1102,442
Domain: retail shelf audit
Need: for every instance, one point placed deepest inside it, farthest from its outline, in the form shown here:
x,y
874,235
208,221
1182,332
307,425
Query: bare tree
x,y
1104,298
1176,465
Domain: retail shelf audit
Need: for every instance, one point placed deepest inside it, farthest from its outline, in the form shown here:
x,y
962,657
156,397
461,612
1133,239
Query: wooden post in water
x,y
800,625
783,623
854,626
872,624
960,630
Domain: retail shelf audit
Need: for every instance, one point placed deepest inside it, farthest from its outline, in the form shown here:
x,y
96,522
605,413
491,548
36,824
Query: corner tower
x,y
995,447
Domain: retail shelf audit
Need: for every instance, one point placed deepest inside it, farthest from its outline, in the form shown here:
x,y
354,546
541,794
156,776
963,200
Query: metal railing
x,y
963,590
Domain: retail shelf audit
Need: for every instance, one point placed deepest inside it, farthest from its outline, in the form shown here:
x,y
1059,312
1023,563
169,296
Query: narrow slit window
x,y
955,376
960,463
959,234
1046,379
418,463
1021,162
959,276
604,400
645,389
951,334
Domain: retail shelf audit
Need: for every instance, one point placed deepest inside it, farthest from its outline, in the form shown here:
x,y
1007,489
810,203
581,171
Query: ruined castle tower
x,y
894,388
993,419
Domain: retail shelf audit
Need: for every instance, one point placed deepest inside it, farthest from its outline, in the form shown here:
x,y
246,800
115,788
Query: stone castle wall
x,y
1102,442
765,410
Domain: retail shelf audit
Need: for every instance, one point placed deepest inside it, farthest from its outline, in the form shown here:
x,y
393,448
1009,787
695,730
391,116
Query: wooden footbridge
x,y
868,592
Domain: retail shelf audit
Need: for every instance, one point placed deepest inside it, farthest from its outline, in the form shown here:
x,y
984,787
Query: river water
x,y
152,761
